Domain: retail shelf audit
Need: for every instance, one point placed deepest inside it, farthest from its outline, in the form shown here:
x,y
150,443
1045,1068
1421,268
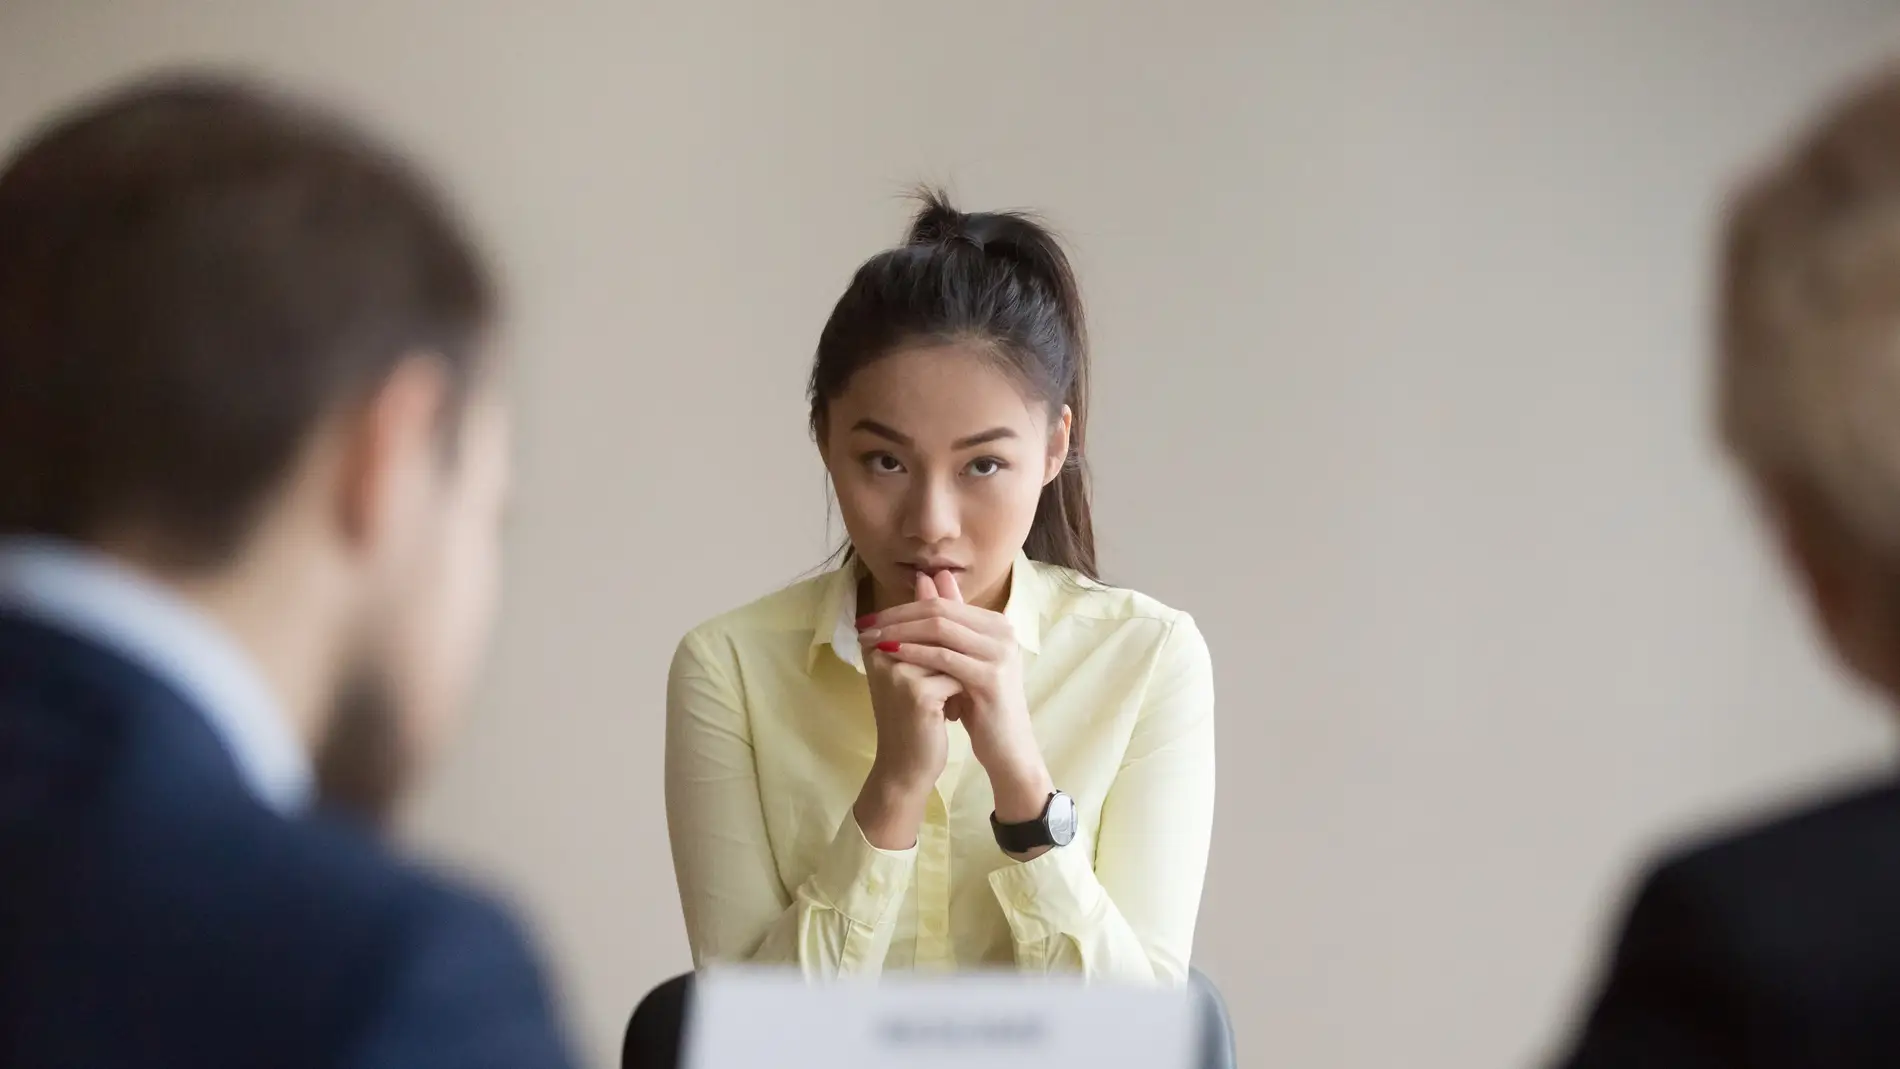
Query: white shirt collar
x,y
844,632
88,593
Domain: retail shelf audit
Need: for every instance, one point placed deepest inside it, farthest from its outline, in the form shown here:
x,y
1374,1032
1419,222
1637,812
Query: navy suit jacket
x,y
1778,946
155,913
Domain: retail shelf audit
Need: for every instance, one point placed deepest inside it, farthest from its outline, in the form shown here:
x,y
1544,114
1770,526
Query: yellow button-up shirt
x,y
770,736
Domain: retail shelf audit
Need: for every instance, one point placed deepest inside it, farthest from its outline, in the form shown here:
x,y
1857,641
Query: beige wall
x,y
1400,389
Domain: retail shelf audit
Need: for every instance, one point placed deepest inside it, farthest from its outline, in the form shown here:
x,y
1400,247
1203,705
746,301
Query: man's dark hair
x,y
195,272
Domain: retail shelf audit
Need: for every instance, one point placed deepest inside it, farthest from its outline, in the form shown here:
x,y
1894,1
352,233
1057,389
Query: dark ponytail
x,y
1001,281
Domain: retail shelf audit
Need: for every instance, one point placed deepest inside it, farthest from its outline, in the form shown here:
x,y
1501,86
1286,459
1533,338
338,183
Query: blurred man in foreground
x,y
252,463
1780,945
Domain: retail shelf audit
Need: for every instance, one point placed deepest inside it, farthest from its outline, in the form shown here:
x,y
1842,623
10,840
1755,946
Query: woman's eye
x,y
984,467
883,464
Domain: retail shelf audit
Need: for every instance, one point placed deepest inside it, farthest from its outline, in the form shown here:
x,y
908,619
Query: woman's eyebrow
x,y
871,426
991,435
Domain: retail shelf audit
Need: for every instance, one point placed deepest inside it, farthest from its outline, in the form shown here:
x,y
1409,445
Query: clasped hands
x,y
939,659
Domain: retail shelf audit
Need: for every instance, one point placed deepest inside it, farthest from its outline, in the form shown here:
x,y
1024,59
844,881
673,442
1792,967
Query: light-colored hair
x,y
1808,373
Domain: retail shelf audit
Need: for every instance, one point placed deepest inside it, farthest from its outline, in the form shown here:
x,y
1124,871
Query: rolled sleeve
x,y
1055,893
862,883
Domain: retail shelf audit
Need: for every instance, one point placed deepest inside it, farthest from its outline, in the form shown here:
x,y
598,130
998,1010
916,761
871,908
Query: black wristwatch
x,y
1056,827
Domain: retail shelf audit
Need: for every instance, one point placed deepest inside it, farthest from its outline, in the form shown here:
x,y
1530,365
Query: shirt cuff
x,y
859,880
1054,893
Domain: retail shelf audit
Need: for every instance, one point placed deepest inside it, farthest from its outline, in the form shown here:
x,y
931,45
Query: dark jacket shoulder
x,y
155,911
1772,943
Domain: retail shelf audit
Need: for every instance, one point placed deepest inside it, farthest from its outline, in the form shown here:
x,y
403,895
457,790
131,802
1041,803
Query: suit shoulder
x,y
462,984
453,931
438,940
332,890
1854,826
1791,919
351,866
1808,884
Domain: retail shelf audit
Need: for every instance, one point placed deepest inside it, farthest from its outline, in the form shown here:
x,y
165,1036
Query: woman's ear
x,y
1058,455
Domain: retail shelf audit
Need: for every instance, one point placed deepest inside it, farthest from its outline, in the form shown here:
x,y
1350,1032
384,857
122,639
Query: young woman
x,y
958,749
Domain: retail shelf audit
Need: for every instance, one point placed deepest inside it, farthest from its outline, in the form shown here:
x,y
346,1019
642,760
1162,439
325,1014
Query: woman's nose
x,y
933,511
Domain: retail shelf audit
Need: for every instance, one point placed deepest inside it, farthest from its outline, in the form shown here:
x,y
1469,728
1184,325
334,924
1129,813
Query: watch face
x,y
1061,820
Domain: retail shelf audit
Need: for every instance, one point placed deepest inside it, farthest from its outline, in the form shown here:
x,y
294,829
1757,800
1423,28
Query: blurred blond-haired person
x,y
1779,944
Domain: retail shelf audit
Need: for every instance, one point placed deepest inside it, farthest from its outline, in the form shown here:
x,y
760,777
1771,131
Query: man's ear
x,y
390,451
1058,455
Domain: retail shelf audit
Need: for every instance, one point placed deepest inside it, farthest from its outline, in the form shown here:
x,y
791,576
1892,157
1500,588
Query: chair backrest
x,y
653,1032
1217,1028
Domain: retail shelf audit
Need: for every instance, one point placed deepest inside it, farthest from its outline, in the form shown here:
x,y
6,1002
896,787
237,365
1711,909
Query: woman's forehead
x,y
938,391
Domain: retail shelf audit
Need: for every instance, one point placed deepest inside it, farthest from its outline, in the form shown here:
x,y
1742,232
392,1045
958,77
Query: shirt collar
x,y
835,622
89,594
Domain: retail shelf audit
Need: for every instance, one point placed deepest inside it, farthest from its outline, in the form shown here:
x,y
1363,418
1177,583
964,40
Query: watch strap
x,y
1027,836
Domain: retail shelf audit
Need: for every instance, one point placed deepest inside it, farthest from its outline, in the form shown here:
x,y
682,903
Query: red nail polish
x,y
888,647
866,621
